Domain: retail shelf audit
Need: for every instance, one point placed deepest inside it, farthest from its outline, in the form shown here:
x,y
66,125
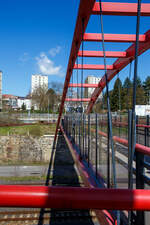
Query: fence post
x,y
120,125
73,129
130,214
108,156
85,142
147,133
140,215
79,135
96,155
83,131
137,129
89,138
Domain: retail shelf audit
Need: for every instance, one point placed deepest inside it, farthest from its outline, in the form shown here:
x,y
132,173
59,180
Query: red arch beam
x,y
93,67
113,37
119,64
109,54
121,9
85,10
84,85
77,99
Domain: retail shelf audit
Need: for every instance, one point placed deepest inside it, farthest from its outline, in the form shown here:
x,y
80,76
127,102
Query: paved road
x,y
9,171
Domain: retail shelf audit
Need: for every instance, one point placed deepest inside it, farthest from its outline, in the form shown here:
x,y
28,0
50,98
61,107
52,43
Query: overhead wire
x,y
82,47
72,85
108,99
110,135
129,86
77,81
132,115
133,118
119,93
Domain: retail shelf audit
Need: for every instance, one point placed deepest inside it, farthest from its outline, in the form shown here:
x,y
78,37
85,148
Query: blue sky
x,y
34,32
36,37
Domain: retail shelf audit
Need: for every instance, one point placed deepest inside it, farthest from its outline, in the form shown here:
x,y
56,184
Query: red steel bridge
x,y
110,151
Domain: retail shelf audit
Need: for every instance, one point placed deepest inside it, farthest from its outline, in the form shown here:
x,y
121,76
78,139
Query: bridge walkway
x,y
64,173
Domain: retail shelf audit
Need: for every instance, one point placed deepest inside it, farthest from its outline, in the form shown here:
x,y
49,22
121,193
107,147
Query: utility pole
x,y
48,109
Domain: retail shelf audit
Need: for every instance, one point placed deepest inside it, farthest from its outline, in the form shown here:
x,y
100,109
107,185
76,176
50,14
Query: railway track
x,y
22,217
64,174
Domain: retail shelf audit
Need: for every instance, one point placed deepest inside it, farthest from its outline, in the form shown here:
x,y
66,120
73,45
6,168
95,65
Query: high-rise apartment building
x,y
38,81
91,80
0,91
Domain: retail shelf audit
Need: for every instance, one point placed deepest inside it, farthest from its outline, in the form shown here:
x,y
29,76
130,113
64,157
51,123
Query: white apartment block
x,y
38,81
0,90
91,80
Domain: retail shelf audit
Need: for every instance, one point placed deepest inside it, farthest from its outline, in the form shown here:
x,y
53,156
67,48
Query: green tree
x,y
116,96
146,86
139,82
127,83
52,99
127,93
140,95
23,107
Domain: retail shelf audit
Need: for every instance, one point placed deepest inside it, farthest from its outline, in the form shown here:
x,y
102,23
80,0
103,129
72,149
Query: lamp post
x,y
48,109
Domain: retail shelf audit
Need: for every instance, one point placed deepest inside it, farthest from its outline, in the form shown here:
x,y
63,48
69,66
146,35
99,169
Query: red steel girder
x,y
113,37
84,85
109,54
73,198
138,147
121,9
77,99
103,216
119,64
93,67
85,10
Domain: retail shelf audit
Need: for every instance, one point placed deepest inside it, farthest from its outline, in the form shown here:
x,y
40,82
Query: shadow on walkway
x,y
64,174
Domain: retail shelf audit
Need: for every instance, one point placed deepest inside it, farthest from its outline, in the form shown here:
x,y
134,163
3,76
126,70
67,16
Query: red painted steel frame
x,y
73,198
92,67
138,147
104,217
121,9
77,99
85,10
118,65
84,85
109,54
113,37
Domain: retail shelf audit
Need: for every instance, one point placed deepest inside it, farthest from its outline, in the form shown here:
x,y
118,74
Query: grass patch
x,y
17,163
33,130
26,178
33,178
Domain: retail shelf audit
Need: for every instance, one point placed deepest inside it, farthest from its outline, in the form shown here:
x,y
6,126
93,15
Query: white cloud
x,y
24,58
54,51
46,66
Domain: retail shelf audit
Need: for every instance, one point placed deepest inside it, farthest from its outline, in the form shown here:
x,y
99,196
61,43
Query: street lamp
x,y
48,109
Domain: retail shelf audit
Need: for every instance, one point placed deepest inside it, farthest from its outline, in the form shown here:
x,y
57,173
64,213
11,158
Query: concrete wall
x,y
25,148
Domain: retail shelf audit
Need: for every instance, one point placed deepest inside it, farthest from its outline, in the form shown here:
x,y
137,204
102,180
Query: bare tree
x,y
39,98
44,99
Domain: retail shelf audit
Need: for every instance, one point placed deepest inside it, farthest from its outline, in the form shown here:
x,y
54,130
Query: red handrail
x,y
73,198
138,147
